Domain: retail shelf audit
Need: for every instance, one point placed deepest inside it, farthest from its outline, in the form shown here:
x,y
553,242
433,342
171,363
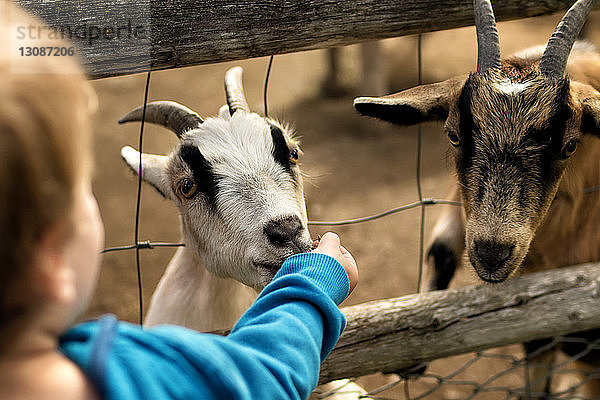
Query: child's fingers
x,y
329,244
347,255
349,265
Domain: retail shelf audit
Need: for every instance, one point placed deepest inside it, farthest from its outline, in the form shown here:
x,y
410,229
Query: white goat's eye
x,y
570,148
294,156
454,139
188,188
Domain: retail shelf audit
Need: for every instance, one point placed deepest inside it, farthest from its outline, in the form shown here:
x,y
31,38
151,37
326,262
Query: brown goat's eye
x,y
294,156
570,148
188,188
454,139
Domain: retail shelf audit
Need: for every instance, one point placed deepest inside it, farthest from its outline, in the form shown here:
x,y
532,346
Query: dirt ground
x,y
356,167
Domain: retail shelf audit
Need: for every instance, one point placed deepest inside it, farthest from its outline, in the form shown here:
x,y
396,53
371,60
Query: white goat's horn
x,y
554,60
488,46
234,91
169,114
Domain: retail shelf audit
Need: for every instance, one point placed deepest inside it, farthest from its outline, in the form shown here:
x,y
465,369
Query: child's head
x,y
45,166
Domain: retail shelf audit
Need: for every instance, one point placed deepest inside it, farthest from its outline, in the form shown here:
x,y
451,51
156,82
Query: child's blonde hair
x,y
44,151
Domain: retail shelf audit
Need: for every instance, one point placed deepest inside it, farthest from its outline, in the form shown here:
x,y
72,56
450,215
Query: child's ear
x,y
53,277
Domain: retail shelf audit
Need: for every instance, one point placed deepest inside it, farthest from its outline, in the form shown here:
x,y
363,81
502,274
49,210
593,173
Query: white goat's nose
x,y
284,230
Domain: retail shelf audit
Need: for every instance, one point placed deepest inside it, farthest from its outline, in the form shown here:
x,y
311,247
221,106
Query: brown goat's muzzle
x,y
493,261
496,257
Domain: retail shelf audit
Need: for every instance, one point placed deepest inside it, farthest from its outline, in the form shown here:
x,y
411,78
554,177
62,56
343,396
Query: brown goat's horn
x,y
169,114
554,60
488,46
235,91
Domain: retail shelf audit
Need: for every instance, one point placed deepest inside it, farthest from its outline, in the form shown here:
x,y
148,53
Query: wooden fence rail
x,y
388,335
123,37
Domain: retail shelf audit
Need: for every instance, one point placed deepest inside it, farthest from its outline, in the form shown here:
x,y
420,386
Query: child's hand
x,y
330,245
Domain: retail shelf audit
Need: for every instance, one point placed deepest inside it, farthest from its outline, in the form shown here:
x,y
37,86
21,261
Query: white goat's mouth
x,y
268,266
267,270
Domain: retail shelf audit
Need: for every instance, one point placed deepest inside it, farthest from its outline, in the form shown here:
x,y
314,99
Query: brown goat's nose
x,y
282,231
493,255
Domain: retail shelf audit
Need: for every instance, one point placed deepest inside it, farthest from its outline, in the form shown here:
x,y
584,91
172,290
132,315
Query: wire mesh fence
x,y
507,368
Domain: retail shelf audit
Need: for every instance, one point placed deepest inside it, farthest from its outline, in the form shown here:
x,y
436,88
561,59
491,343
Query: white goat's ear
x,y
154,168
224,112
419,104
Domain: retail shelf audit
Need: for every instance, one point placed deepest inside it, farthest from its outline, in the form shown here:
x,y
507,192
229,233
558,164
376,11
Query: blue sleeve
x,y
273,352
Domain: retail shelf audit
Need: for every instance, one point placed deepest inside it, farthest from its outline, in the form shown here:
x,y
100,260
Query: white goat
x,y
238,187
236,181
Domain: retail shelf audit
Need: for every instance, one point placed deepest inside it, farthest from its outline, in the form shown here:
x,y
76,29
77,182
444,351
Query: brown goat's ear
x,y
589,101
590,119
412,106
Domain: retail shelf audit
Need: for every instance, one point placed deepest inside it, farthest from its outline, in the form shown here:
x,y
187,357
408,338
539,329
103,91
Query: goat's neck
x,y
191,296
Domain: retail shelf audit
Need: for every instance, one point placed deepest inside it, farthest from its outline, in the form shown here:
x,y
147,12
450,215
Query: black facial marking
x,y
464,160
553,135
281,151
484,174
202,171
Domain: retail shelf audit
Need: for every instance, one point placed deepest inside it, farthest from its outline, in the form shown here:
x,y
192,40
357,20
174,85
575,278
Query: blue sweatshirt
x,y
273,352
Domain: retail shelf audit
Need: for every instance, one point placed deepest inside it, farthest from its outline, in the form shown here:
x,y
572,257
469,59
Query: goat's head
x,y
236,181
512,129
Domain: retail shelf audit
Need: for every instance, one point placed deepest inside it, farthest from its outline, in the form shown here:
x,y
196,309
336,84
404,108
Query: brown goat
x,y
514,127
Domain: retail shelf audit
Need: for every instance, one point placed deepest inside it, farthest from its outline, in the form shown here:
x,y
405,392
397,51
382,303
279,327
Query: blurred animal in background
x,y
237,183
523,134
373,73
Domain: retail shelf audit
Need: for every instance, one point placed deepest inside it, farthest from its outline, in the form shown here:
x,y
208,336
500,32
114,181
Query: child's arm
x,y
274,351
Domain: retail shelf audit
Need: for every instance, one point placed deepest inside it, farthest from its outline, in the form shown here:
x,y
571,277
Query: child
x,y
51,237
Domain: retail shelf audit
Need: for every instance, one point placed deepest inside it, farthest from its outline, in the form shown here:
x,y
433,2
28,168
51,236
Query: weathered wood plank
x,y
179,33
392,334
